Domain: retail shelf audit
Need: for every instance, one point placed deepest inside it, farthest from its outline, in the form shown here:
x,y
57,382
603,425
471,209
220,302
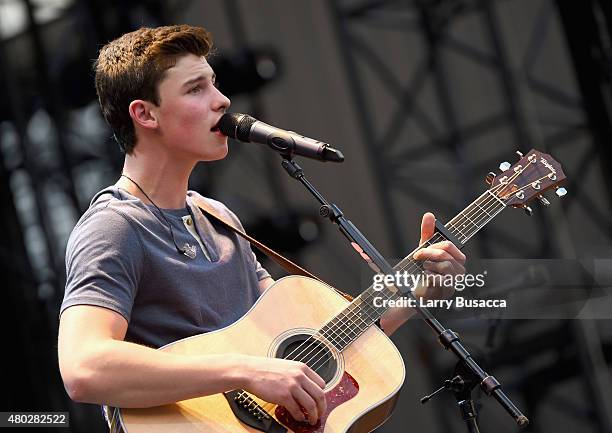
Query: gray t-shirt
x,y
120,256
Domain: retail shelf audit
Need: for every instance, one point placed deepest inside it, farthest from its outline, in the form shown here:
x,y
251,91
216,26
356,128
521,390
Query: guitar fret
x,y
357,315
358,309
484,210
337,335
459,231
466,220
480,214
497,198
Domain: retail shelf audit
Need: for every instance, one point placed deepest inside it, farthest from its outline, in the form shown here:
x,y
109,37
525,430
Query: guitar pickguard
x,y
345,390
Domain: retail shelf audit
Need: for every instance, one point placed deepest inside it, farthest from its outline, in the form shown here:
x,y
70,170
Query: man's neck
x,y
162,179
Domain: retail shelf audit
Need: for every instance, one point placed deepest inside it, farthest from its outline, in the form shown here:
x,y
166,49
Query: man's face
x,y
190,107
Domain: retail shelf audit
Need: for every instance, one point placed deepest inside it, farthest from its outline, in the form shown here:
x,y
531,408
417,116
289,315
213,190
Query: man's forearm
x,y
123,374
395,317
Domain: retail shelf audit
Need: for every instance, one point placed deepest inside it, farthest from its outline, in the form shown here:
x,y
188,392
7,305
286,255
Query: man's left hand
x,y
442,258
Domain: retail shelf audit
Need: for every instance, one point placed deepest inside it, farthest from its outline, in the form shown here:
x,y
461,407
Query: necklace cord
x,y
179,249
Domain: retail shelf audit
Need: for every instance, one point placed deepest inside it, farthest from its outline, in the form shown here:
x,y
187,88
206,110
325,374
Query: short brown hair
x,y
132,66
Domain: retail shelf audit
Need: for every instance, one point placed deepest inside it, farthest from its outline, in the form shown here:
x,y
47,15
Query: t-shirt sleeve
x,y
261,272
104,263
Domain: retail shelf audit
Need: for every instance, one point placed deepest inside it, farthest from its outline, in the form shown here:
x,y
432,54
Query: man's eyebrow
x,y
213,78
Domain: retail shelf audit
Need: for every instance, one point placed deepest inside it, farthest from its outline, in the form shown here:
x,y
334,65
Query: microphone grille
x,y
236,125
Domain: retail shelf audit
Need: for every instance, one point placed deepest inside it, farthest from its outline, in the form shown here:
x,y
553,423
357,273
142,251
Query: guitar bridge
x,y
251,413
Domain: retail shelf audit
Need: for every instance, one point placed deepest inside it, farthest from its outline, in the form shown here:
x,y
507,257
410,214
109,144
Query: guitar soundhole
x,y
315,354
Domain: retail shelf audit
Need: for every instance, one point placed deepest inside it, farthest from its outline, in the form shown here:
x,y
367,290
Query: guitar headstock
x,y
532,175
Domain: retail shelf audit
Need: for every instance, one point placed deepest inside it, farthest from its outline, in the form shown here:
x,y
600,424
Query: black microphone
x,y
288,143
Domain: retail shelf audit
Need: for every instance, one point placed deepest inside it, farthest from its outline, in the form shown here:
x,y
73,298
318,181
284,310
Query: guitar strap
x,y
282,261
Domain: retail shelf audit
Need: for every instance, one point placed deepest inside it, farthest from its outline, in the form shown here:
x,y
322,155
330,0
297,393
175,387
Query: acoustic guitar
x,y
302,319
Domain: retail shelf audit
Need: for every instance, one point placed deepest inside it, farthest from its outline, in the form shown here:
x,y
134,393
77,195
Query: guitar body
x,y
363,381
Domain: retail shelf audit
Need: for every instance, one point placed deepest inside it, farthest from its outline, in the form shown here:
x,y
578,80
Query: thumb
x,y
428,227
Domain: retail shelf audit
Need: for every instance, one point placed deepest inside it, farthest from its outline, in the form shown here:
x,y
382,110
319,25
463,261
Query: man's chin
x,y
220,153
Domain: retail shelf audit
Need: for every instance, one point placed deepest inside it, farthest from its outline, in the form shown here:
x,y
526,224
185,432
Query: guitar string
x,y
252,404
109,417
114,419
352,308
527,186
434,238
371,313
312,362
463,215
337,332
437,237
112,422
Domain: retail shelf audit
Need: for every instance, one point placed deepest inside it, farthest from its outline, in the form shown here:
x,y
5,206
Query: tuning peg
x,y
527,210
519,153
504,166
560,192
543,200
490,178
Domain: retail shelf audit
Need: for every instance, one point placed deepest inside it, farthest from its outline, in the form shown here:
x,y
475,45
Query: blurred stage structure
x,y
428,120
425,96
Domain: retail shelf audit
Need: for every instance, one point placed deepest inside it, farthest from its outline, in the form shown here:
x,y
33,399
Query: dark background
x,y
424,97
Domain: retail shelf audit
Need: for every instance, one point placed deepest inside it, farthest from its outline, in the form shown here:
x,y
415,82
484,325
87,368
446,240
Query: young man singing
x,y
145,267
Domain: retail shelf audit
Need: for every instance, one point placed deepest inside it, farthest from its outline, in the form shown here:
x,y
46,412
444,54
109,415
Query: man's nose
x,y
222,102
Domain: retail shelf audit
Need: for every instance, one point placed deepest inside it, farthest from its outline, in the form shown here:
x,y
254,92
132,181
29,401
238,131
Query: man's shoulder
x,y
215,206
109,209
115,199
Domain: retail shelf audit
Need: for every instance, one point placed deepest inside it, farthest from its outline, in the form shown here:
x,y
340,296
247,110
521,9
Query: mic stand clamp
x,y
447,338
461,386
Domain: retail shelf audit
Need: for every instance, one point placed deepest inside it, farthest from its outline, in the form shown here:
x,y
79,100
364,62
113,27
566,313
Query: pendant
x,y
189,250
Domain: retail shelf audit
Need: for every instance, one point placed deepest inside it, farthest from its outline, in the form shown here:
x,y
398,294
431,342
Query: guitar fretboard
x,y
362,313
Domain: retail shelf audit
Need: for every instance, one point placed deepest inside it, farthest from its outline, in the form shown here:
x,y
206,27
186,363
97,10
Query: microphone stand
x,y
448,338
461,385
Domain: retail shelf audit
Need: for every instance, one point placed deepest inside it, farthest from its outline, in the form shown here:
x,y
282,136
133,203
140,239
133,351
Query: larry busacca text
x,y
404,281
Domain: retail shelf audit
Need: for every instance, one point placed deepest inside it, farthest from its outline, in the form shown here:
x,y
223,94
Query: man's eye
x,y
195,89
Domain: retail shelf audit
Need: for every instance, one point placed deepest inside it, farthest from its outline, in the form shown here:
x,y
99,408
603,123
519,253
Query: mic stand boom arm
x,y
448,338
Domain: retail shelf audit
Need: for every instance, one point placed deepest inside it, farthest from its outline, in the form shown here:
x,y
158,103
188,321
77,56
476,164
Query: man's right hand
x,y
291,384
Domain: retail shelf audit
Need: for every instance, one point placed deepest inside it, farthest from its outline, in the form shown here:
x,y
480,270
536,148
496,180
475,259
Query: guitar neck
x,y
362,312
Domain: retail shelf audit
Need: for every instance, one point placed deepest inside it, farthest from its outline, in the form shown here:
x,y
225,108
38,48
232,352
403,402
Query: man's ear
x,y
140,112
